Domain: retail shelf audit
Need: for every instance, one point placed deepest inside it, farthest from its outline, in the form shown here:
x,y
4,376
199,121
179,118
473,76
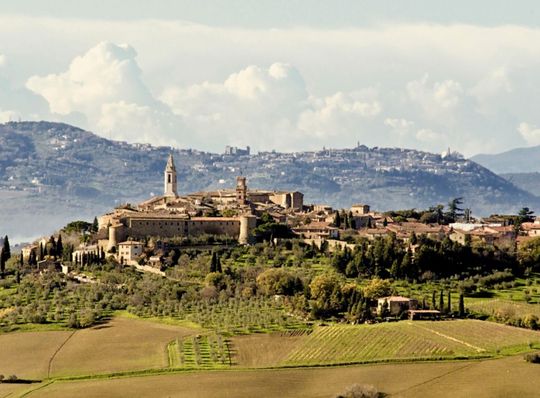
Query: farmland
x,y
119,345
489,378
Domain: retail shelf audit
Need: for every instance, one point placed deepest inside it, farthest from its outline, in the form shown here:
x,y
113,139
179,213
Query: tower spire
x,y
170,178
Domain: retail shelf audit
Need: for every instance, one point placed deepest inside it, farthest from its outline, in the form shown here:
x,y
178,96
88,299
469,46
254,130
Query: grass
x,y
163,320
120,345
482,379
504,308
27,354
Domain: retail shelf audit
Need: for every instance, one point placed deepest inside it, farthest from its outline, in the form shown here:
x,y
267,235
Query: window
x,y
168,178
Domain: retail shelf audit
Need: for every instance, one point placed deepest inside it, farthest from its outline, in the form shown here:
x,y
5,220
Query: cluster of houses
x,y
236,212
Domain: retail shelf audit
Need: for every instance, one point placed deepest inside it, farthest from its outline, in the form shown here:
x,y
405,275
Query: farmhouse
x,y
396,304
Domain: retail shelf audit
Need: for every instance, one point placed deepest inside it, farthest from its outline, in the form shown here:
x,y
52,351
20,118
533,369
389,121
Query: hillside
x,y
519,160
51,173
527,181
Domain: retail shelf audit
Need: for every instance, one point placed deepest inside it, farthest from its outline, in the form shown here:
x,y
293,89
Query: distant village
x,y
235,213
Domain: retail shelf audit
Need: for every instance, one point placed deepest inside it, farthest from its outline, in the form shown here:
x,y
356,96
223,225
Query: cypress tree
x,y
218,264
449,303
337,220
2,263
441,302
21,260
433,305
59,246
461,305
95,225
7,249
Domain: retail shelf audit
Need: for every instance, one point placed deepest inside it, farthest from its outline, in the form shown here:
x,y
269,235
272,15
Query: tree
x,y
278,281
454,211
6,249
449,303
337,220
433,302
441,302
215,263
378,288
461,305
95,225
59,247
524,215
2,263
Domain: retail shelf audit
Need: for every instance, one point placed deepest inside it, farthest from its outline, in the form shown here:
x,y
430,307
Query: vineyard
x,y
200,352
406,340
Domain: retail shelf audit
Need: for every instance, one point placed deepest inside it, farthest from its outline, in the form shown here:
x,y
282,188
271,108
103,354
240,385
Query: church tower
x,y
241,190
170,178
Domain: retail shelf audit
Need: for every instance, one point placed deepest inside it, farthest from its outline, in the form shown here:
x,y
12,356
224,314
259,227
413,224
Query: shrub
x,y
530,321
360,391
533,358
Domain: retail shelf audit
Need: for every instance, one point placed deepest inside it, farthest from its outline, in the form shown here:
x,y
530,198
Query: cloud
x,y
474,83
530,133
427,135
402,127
338,114
105,85
435,98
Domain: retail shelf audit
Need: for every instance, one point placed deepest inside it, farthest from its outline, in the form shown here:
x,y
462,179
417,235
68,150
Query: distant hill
x,y
519,160
527,181
51,173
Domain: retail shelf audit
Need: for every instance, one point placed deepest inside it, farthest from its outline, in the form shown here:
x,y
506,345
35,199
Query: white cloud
x,y
9,116
399,126
530,133
2,60
105,85
437,98
107,73
338,114
473,83
427,135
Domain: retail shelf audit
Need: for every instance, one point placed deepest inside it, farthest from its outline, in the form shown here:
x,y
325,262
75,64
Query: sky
x,y
285,75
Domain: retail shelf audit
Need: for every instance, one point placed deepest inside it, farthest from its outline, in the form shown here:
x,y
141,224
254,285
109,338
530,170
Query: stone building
x,y
172,215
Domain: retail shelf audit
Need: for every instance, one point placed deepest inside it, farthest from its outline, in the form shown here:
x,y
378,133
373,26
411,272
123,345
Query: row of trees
x,y
389,257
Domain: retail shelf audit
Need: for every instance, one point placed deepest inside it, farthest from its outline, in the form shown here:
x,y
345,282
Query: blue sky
x,y
286,75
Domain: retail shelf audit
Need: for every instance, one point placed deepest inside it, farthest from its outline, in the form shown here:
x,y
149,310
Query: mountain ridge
x,y
517,160
51,173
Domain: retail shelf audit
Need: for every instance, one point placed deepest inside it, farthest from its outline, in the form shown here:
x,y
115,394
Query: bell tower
x,y
170,178
241,190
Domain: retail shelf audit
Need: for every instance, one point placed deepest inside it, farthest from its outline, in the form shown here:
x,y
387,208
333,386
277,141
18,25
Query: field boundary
x,y
51,359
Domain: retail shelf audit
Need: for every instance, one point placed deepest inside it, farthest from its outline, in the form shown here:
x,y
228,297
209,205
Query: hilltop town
x,y
44,165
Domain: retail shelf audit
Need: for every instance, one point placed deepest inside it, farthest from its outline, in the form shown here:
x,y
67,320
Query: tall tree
x,y
454,211
449,303
95,225
441,302
7,249
337,220
59,247
2,263
461,305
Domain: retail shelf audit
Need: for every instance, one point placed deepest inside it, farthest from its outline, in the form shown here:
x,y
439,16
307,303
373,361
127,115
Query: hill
x,y
51,173
527,181
519,160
